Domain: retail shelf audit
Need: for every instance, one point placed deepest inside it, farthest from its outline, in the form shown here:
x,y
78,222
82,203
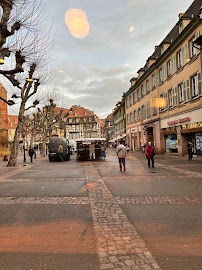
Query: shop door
x,y
151,135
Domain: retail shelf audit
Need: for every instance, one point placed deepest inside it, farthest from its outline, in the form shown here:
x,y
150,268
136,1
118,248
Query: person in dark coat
x,y
190,150
149,151
31,153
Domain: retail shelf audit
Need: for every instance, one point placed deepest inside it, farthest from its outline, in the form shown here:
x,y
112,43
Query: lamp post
x,y
23,135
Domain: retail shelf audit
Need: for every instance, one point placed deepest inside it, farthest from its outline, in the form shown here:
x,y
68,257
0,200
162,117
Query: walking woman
x,y
149,151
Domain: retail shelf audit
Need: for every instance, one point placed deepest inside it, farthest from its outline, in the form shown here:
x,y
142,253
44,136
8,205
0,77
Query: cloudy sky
x,y
95,71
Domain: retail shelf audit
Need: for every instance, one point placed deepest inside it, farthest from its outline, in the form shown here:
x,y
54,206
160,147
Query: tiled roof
x,y
64,110
102,123
80,112
110,117
12,121
192,12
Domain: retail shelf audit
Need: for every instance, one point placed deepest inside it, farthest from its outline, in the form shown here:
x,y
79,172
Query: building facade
x,y
164,103
82,123
109,127
3,123
119,121
102,127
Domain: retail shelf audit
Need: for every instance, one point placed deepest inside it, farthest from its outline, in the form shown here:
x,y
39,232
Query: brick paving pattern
x,y
119,245
44,200
3,180
158,200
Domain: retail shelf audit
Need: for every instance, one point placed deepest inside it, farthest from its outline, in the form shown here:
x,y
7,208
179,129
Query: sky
x,y
94,71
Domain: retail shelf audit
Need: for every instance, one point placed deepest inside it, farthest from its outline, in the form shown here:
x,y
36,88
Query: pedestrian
x,y
121,153
103,148
190,150
149,151
31,153
60,152
92,151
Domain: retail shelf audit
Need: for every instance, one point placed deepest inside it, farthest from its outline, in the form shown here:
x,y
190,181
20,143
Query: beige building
x,y
164,103
119,121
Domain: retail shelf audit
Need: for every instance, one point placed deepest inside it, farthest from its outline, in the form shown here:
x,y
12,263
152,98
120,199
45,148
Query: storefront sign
x,y
179,121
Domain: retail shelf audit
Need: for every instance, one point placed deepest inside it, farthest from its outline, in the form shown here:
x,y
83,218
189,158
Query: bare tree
x,y
24,55
48,118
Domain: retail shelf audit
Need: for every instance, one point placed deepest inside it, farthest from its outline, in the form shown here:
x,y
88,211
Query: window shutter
x,y
176,97
166,97
186,52
198,46
183,55
184,91
199,84
174,64
157,78
165,72
188,91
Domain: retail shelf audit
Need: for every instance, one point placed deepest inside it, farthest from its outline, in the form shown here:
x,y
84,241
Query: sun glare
x,y
77,22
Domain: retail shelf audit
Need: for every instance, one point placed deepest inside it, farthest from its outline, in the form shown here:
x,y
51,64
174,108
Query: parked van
x,y
53,146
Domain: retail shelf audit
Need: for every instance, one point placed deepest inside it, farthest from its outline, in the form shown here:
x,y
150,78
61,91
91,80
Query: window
x,y
127,102
161,75
148,109
181,93
169,68
153,81
135,116
142,90
138,94
134,98
131,120
179,59
130,101
143,112
171,97
147,86
194,86
192,47
139,114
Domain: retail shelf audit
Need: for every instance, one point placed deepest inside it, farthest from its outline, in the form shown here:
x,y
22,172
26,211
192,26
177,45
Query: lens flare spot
x,y
131,29
77,22
159,102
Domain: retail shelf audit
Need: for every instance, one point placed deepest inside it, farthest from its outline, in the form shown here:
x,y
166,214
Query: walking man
x,y
121,153
149,151
60,151
31,153
190,150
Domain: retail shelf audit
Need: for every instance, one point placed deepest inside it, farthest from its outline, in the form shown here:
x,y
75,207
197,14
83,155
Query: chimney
x,y
156,47
180,15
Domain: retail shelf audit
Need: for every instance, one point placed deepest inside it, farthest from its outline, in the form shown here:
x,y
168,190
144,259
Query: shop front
x,y
177,131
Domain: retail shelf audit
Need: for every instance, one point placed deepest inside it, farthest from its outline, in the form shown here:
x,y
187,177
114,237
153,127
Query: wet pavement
x,y
89,215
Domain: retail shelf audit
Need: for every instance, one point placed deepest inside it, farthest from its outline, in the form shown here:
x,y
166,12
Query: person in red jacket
x,y
149,151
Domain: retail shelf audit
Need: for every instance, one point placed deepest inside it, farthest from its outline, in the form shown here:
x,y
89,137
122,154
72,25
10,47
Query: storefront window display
x,y
171,144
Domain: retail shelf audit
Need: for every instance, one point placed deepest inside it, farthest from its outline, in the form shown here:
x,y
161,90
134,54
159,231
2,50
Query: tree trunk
x,y
14,150
43,150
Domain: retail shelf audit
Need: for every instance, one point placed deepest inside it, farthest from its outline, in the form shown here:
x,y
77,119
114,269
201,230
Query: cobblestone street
x,y
90,216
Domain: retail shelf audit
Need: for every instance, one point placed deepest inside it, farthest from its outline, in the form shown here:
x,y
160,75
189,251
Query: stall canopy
x,y
90,139
118,138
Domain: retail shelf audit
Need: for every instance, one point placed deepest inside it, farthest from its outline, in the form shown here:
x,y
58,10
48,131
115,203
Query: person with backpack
x,y
149,151
121,152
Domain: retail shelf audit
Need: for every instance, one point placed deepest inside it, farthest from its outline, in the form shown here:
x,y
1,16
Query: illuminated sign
x,y
179,121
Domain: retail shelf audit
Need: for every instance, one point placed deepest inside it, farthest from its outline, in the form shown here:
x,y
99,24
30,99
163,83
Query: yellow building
x,y
164,103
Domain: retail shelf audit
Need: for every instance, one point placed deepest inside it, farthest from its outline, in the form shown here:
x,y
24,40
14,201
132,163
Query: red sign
x,y
179,121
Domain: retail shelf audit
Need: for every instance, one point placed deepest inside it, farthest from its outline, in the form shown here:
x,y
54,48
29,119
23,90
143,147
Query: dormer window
x,y
181,27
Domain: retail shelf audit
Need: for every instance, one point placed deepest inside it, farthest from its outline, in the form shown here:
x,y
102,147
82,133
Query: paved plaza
x,y
90,216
